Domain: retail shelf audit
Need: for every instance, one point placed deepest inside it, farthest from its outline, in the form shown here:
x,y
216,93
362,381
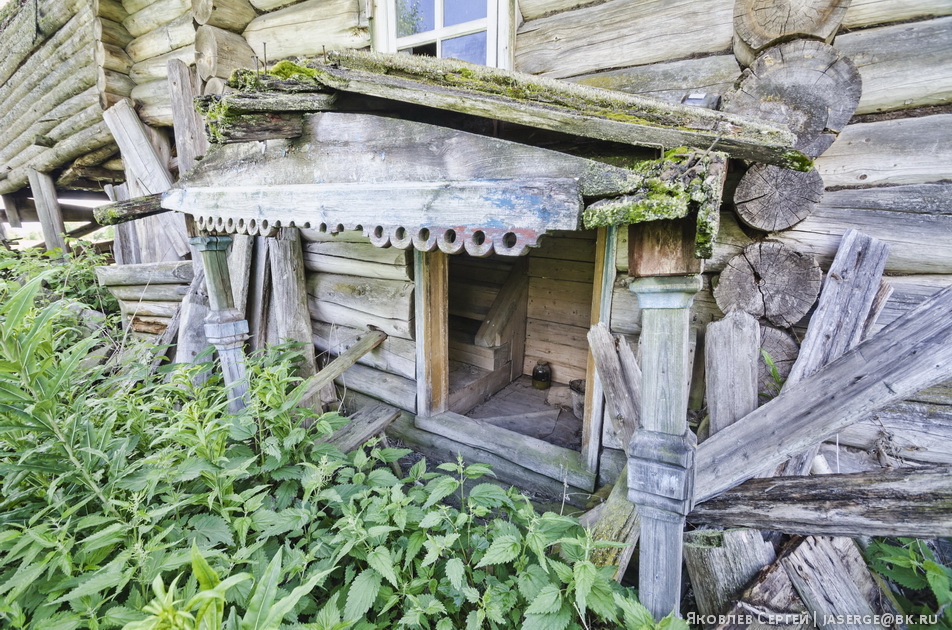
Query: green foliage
x,y
777,381
158,509
922,586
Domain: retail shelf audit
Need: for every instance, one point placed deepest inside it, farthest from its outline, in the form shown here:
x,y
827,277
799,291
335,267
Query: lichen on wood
x,y
669,188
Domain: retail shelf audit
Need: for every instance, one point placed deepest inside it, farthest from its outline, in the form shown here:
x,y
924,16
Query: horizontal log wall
x,y
561,282
351,286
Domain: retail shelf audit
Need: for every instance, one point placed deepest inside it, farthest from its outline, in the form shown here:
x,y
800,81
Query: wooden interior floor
x,y
543,414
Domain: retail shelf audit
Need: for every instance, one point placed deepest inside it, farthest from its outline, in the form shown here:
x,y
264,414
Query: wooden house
x,y
448,226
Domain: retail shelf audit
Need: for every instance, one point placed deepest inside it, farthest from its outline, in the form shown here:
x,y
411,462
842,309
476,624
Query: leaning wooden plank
x,y
128,210
911,354
47,207
731,356
81,231
623,407
145,273
558,106
189,128
545,458
894,502
338,366
507,302
839,321
363,425
394,355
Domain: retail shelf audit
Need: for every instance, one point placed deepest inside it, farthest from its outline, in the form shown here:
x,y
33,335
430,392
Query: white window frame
x,y
499,25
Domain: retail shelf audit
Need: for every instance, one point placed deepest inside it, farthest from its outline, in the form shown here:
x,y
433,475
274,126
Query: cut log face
x,y
758,24
770,281
771,198
804,84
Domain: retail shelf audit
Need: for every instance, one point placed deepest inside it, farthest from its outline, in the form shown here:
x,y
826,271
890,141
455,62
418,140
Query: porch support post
x,y
661,453
225,326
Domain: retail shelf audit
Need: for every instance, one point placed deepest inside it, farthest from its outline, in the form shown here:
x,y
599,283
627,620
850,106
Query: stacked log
x,y
149,294
171,35
52,117
307,28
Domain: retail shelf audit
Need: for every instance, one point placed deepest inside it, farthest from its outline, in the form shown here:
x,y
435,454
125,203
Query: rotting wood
x,y
363,425
769,198
623,403
804,84
259,293
772,602
393,355
912,353
895,502
759,24
647,241
902,434
722,563
568,107
257,127
126,243
770,280
128,210
603,275
840,318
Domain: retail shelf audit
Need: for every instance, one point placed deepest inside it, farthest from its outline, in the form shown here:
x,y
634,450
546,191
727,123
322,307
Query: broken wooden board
x,y
911,354
363,425
908,502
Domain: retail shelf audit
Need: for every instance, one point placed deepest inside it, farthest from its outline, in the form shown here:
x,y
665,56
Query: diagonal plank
x,y
911,354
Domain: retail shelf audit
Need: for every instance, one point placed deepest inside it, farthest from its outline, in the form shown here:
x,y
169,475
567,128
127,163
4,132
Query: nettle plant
x,y
150,506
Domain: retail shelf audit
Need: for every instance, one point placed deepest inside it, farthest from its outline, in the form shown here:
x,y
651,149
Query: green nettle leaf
x,y
488,495
438,489
432,519
381,560
445,624
455,571
549,621
363,592
109,576
531,581
585,576
548,601
210,530
503,549
635,614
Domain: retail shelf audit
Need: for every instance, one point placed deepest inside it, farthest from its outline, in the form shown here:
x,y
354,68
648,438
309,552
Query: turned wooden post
x,y
661,453
225,326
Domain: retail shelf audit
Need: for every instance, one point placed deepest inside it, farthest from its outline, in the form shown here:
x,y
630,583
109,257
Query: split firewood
x,y
769,280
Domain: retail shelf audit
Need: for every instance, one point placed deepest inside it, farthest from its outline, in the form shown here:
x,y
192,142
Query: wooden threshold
x,y
524,452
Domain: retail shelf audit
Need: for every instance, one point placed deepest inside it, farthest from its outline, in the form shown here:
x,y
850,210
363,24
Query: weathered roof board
x,y
411,183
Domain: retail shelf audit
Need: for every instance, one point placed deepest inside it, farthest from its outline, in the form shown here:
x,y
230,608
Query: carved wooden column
x,y
225,326
661,453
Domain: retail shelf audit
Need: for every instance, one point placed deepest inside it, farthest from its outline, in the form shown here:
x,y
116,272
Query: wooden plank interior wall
x,y
561,282
351,285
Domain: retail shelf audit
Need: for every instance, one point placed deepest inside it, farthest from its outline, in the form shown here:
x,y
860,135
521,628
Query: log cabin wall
x,y
885,174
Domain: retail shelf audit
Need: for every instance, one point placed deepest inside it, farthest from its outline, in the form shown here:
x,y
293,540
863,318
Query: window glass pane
x,y
459,11
470,48
415,16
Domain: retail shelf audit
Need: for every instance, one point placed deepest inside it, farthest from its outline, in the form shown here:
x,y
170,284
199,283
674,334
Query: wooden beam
x,y
128,210
47,207
504,306
561,106
913,353
363,425
81,231
12,213
731,355
431,275
145,273
915,502
604,282
189,128
313,385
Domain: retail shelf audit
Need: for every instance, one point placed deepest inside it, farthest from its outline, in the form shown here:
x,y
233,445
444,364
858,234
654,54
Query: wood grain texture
x,y
218,52
868,12
731,355
770,280
911,354
392,299
669,81
615,34
145,273
902,66
890,152
908,219
782,348
365,424
189,129
48,210
316,381
907,432
431,274
908,502
771,199
393,355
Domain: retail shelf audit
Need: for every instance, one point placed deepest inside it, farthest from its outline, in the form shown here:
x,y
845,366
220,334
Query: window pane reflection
x,y
470,48
459,11
415,16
